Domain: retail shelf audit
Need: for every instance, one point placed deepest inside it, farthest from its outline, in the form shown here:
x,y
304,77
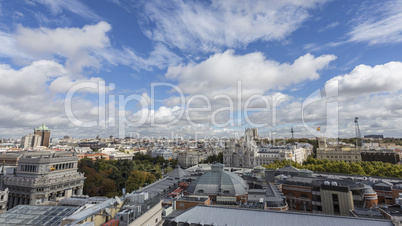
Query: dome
x,y
368,190
218,182
306,173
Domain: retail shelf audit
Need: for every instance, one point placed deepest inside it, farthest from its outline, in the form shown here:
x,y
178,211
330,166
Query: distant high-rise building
x,y
255,132
44,132
30,141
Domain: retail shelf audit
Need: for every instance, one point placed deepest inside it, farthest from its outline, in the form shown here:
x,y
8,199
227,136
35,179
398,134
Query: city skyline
x,y
300,64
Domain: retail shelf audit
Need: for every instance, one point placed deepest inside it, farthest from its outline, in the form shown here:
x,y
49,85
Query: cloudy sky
x,y
200,68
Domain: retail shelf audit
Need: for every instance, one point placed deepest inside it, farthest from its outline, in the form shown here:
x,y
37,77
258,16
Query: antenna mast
x,y
292,131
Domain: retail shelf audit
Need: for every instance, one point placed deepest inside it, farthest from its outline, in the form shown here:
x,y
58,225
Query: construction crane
x,y
359,140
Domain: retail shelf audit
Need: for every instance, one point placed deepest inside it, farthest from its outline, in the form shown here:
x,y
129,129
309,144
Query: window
x,y
156,220
335,197
336,209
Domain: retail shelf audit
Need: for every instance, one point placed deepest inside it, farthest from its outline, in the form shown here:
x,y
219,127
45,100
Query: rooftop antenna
x,y
359,141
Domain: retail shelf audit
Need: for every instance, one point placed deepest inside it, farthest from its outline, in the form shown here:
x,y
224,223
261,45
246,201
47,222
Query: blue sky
x,y
196,54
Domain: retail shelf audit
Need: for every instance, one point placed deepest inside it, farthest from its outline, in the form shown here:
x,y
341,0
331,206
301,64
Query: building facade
x,y
327,195
41,177
189,158
166,153
31,141
3,200
246,153
241,153
337,152
44,132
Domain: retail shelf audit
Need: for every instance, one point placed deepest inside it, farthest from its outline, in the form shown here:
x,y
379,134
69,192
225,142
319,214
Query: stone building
x,y
3,193
242,153
10,159
339,152
42,177
189,158
3,200
246,153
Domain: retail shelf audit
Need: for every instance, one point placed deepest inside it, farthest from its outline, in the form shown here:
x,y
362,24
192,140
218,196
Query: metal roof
x,y
178,173
218,182
288,169
209,215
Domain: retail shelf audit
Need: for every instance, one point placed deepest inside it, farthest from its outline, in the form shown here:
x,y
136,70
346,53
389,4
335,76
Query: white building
x,y
30,141
269,154
246,153
189,158
241,153
166,153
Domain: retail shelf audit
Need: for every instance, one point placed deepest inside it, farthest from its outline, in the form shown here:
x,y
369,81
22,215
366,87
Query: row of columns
x,y
14,200
78,190
29,168
64,166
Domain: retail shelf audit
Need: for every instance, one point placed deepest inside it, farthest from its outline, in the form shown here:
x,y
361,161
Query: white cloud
x,y
76,44
214,82
374,94
160,57
9,48
30,95
64,84
209,26
381,25
87,47
74,6
221,72
364,79
329,26
30,80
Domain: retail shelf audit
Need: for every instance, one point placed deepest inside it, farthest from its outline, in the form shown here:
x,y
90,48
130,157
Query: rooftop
x,y
43,127
207,215
218,181
288,169
36,215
